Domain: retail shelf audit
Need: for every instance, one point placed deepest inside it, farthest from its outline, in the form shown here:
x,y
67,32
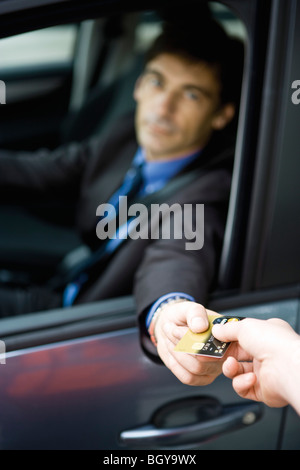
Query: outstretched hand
x,y
172,323
256,363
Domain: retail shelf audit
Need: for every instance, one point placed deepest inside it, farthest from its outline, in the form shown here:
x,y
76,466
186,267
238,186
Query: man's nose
x,y
166,103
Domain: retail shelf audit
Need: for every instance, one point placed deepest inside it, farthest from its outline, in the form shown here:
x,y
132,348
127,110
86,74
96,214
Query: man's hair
x,y
207,43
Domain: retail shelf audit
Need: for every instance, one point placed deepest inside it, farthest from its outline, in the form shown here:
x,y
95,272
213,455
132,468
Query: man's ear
x,y
224,116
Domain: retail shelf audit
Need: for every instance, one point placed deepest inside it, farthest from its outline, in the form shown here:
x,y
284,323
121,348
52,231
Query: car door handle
x,y
229,418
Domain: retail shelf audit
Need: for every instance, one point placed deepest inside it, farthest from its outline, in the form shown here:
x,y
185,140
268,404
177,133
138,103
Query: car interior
x,y
73,99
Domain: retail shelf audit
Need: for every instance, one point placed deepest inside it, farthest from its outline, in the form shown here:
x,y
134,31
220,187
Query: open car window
x,y
101,59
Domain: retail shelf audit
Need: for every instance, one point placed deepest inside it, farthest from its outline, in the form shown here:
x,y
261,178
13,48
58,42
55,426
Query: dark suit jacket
x,y
91,172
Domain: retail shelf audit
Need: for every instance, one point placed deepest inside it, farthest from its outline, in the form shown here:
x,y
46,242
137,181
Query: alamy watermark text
x,y
296,94
159,221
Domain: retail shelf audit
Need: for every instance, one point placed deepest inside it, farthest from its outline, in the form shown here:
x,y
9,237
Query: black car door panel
x,y
82,380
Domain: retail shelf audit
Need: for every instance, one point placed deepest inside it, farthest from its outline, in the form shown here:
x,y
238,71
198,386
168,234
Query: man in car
x,y
186,97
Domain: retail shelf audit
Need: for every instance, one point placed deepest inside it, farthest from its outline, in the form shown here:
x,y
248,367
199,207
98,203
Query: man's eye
x,y
155,82
192,95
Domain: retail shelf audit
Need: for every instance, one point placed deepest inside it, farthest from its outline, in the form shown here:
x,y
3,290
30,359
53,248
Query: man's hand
x,y
171,324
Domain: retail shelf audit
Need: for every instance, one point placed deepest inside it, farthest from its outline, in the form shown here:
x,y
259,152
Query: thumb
x,y
227,332
197,318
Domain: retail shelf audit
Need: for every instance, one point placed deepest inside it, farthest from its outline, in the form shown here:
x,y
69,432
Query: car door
x,y
78,379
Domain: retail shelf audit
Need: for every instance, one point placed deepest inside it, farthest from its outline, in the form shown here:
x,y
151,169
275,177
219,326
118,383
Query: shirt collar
x,y
157,173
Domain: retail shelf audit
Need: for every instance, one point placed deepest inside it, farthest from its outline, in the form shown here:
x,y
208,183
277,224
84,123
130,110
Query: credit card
x,y
205,344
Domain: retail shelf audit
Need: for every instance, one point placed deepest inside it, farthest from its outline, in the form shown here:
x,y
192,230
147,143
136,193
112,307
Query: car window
x,y
43,47
104,83
233,25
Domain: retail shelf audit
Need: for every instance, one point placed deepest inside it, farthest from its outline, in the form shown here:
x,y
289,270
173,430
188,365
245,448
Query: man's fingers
x,y
184,316
188,368
179,369
243,378
174,333
244,385
190,371
232,368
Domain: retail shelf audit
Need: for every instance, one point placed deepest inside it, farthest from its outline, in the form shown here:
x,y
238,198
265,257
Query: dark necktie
x,y
130,187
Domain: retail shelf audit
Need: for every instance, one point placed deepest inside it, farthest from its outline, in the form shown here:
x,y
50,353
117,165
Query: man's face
x,y
178,107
